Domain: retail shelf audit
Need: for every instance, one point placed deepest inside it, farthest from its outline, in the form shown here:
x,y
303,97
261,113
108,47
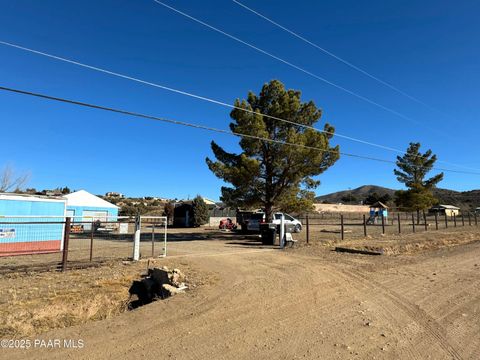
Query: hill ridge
x,y
464,199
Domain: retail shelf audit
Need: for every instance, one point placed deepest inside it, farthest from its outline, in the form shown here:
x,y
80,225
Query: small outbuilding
x,y
85,207
448,210
31,224
183,212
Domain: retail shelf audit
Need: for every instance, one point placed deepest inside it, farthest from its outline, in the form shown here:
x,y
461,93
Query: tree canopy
x,y
375,197
272,174
200,211
413,168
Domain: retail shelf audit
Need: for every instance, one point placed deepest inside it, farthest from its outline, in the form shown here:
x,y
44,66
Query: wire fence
x,y
334,226
46,242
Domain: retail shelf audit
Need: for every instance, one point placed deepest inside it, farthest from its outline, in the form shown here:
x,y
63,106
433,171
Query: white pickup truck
x,y
253,223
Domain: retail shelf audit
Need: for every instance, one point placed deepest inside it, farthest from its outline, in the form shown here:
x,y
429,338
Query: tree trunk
x,y
268,212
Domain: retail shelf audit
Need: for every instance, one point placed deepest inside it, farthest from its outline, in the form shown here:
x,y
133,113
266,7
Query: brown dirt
x,y
307,302
37,302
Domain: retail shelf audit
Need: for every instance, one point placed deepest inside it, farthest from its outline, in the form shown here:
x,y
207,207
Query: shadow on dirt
x,y
157,284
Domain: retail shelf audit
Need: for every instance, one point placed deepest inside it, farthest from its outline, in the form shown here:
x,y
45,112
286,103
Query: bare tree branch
x,y
10,181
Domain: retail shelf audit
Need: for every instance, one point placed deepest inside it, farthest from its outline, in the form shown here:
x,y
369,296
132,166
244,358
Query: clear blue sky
x,y
428,49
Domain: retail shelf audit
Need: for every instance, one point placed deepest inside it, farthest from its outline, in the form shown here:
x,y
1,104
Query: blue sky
x,y
429,49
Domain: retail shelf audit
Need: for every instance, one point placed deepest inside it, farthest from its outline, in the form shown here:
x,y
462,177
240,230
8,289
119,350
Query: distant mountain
x,y
464,200
356,195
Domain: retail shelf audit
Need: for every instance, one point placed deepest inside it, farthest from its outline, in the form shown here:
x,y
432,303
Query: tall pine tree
x,y
413,167
272,175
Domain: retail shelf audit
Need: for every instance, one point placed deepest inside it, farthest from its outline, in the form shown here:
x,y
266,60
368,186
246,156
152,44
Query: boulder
x,y
169,290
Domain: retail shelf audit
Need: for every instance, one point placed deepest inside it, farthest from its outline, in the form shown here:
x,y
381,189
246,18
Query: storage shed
x,y
31,224
449,210
85,207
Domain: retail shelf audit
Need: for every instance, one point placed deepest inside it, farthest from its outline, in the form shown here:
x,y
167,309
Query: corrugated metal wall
x,y
23,234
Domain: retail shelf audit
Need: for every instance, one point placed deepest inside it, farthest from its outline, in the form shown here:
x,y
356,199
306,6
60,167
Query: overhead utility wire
x,y
217,102
289,63
185,93
308,73
304,71
336,57
208,128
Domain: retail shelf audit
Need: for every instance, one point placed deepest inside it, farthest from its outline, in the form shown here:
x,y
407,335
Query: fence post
x,y
476,223
446,221
413,222
136,239
469,219
341,226
165,238
66,239
153,240
436,220
308,229
463,220
91,241
364,226
454,220
425,220
399,224
383,224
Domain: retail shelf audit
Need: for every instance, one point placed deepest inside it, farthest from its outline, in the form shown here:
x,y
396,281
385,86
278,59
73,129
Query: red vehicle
x,y
227,224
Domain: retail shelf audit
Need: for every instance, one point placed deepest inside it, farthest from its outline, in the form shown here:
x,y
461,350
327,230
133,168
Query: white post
x,y
136,239
282,232
165,239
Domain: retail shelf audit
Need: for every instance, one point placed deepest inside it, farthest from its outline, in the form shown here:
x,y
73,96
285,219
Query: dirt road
x,y
287,305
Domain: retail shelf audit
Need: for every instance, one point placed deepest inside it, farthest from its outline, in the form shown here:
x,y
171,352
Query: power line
x,y
185,93
353,93
203,98
336,57
208,128
315,76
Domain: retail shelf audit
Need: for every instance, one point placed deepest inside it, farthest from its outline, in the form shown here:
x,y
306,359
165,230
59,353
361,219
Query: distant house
x,y
113,194
449,210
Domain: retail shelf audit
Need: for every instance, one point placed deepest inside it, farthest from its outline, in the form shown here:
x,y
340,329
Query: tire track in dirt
x,y
432,328
351,284
464,332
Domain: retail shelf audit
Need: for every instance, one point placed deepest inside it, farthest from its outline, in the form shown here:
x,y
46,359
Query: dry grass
x,y
34,303
393,244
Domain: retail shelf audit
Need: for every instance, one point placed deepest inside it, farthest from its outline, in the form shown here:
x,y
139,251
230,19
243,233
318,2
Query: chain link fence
x,y
46,242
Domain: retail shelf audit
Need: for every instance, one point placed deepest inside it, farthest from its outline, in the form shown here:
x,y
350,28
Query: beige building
x,y
449,210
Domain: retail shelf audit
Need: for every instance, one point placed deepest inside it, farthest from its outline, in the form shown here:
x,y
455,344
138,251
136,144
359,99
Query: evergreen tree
x,y
169,211
200,211
268,174
374,197
413,167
